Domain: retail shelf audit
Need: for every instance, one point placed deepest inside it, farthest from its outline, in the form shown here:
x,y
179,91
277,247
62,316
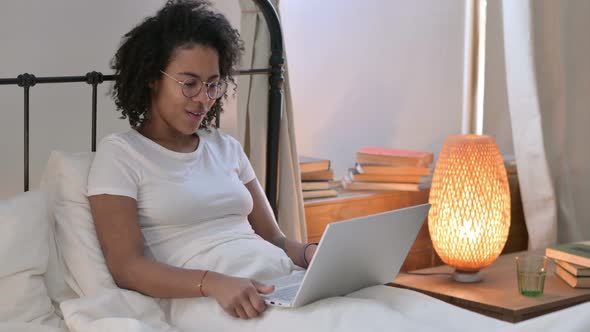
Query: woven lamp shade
x,y
469,218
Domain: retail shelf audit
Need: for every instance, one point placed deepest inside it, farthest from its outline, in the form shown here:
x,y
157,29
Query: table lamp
x,y
469,218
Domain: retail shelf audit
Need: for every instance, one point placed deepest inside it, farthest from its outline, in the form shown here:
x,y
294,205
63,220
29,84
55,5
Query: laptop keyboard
x,y
284,294
294,278
286,287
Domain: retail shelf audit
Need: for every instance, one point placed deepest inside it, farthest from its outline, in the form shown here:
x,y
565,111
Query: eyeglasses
x,y
192,87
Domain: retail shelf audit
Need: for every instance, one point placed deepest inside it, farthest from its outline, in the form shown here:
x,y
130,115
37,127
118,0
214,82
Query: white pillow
x,y
24,244
55,277
65,179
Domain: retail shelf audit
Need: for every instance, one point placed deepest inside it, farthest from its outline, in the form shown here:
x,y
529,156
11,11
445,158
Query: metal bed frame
x,y
275,100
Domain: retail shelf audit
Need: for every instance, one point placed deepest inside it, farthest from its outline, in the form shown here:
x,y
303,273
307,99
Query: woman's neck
x,y
170,139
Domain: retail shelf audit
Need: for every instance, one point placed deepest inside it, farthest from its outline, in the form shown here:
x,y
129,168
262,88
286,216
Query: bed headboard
x,y
275,100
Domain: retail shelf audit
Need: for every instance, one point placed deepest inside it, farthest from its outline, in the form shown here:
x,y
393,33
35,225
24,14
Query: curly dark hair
x,y
147,48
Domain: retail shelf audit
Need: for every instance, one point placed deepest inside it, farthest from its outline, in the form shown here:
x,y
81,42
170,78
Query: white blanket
x,y
421,310
29,327
376,308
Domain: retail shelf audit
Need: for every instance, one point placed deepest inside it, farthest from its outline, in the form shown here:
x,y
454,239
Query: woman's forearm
x,y
292,248
164,281
264,224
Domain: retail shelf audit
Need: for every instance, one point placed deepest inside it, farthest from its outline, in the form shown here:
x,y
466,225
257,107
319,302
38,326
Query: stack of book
x,y
388,169
316,177
572,263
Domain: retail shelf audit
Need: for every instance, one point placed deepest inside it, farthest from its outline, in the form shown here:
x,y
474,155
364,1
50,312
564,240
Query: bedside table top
x,y
497,294
354,195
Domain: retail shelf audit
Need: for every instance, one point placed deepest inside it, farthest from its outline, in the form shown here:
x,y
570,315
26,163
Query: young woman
x,y
177,208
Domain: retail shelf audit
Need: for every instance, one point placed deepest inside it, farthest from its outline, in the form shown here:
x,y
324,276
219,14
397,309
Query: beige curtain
x,y
253,119
547,55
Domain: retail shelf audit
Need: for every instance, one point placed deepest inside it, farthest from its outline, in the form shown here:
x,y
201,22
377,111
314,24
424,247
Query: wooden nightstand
x,y
320,212
352,204
497,294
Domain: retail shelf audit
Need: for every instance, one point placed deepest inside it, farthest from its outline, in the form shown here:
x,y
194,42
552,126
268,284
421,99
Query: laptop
x,y
352,254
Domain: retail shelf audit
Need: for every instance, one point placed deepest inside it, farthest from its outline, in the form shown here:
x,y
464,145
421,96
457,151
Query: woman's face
x,y
171,109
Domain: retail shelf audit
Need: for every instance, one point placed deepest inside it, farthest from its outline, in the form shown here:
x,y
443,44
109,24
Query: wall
x,y
61,37
377,72
371,72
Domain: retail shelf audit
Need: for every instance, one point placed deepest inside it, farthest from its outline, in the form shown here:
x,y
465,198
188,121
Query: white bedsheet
x,y
371,309
29,327
378,308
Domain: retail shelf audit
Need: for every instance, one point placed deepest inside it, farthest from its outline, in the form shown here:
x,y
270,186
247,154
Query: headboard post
x,y
275,101
26,81
94,78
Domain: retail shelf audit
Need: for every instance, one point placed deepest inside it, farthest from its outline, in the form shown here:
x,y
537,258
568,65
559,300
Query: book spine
x,y
565,276
567,257
578,271
570,279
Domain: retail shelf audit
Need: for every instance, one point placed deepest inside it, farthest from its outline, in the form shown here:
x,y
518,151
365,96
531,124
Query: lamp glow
x,y
469,218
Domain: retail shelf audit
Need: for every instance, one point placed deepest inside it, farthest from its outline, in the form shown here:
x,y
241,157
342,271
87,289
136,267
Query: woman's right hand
x,y
239,297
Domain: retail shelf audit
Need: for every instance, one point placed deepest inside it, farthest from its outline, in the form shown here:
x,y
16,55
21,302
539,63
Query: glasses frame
x,y
203,84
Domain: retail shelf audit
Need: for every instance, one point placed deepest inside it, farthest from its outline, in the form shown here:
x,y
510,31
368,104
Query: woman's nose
x,y
202,96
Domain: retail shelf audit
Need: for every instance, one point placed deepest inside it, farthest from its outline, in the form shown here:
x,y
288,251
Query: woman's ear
x,y
154,87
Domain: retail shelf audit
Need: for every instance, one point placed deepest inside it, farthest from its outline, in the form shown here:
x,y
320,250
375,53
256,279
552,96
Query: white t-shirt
x,y
188,203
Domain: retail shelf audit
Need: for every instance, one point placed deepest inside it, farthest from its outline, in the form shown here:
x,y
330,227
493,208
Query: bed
x,y
53,276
